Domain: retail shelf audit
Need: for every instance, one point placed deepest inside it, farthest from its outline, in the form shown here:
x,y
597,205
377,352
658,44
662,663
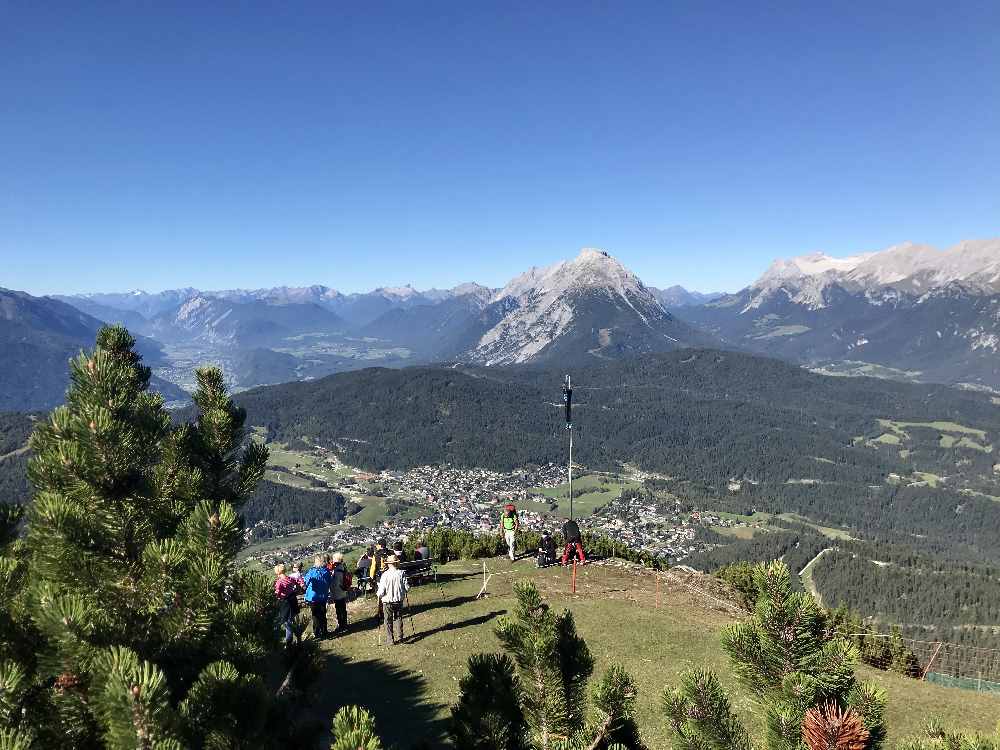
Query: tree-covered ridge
x,y
15,429
711,414
291,508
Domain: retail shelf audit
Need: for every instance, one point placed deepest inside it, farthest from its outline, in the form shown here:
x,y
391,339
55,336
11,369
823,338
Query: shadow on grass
x,y
448,577
404,716
447,627
433,604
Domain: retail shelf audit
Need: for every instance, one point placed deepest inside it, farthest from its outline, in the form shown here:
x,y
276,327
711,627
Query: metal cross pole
x,y
568,400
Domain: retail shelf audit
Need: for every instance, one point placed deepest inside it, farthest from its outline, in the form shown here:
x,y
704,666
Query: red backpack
x,y
348,580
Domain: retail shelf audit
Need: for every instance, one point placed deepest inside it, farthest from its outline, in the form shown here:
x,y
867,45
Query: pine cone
x,y
828,727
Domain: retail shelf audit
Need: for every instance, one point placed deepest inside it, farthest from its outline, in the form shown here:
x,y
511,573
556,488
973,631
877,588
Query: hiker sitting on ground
x,y
571,532
338,592
392,588
546,550
287,589
317,582
510,524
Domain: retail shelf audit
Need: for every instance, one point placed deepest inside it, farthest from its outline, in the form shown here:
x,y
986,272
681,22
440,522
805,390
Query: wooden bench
x,y
419,571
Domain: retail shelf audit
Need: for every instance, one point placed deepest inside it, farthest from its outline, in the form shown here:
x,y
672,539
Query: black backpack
x,y
571,531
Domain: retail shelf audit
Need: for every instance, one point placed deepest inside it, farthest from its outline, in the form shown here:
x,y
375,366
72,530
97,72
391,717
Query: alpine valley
x,y
910,312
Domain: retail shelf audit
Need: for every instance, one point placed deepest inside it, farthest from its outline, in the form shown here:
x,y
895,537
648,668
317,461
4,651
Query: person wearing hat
x,y
338,592
392,588
510,524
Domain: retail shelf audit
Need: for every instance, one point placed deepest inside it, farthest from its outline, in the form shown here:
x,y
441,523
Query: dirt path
x,y
18,452
806,575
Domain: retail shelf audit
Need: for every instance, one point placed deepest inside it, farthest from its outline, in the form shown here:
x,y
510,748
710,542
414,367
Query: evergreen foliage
x,y
784,657
354,729
540,689
935,737
135,628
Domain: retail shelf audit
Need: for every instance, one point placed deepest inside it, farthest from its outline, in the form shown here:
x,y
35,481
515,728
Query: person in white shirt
x,y
392,588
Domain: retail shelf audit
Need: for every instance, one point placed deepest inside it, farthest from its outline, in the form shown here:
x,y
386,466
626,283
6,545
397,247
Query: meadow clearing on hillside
x,y
411,687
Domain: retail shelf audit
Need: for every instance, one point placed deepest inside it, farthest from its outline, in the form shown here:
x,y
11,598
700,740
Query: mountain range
x,y
909,312
38,336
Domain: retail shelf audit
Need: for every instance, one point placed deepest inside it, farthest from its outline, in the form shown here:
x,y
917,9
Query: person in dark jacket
x,y
574,541
399,552
546,550
338,592
364,565
317,582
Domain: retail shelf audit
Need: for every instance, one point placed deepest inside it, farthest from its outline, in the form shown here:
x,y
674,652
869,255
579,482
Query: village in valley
x,y
405,505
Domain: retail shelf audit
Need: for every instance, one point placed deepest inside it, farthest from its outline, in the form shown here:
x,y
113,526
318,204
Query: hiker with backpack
x,y
574,542
392,588
317,582
510,524
287,589
339,587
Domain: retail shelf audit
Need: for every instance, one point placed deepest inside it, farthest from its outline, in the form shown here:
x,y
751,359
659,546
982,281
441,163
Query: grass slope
x,y
410,688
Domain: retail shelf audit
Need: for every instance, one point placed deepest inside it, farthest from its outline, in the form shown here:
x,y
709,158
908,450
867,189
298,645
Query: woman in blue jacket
x,y
317,581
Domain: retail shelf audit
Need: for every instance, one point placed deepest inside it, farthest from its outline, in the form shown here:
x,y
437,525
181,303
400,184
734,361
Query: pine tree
x,y
144,631
935,737
534,697
802,680
354,729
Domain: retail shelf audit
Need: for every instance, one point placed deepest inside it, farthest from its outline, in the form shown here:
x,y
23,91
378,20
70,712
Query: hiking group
x,y
384,571
327,580
510,526
378,570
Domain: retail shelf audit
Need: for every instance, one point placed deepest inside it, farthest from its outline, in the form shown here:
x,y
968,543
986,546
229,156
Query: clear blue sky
x,y
214,144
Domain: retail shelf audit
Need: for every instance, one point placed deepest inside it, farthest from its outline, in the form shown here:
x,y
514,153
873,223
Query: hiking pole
x,y
409,614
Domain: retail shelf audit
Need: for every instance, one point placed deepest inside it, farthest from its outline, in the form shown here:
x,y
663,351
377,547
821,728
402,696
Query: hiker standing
x,y
510,524
378,567
364,564
392,588
338,591
574,542
287,589
317,583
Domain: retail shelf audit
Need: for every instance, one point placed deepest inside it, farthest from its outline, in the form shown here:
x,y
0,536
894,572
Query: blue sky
x,y
217,145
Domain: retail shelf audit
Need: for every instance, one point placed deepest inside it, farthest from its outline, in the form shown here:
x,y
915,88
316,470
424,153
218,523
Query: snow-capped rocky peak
x,y
398,292
592,268
813,264
908,267
542,304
